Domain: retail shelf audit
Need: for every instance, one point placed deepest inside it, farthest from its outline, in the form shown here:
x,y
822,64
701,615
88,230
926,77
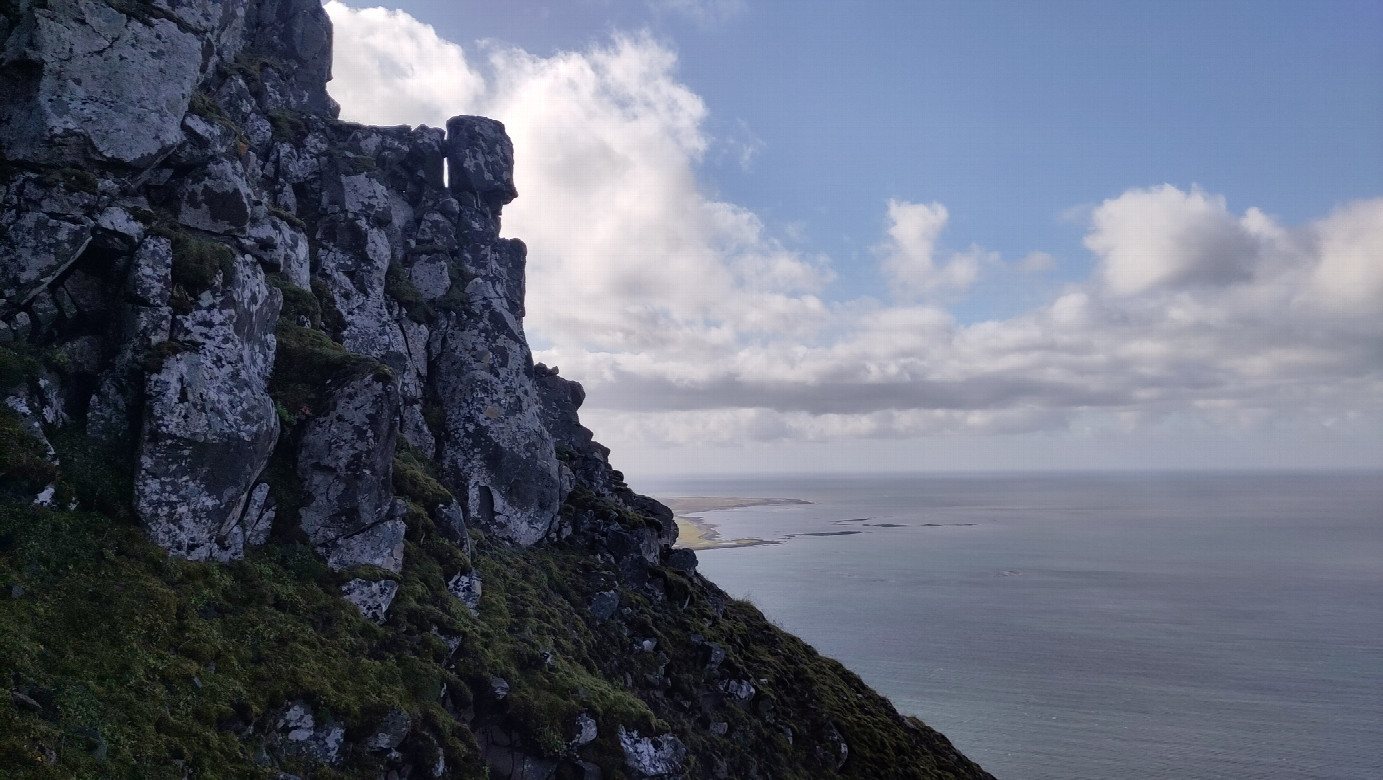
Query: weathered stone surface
x,y
652,757
496,449
372,598
480,159
682,560
738,691
209,424
280,247
466,587
604,604
36,247
391,732
295,38
112,87
345,463
585,730
301,733
217,199
379,545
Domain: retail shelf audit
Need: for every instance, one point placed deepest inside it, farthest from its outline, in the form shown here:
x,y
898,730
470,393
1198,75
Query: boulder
x,y
345,464
209,424
652,757
112,87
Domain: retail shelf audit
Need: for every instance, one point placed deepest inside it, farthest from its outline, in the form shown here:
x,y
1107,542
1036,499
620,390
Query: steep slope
x,y
281,490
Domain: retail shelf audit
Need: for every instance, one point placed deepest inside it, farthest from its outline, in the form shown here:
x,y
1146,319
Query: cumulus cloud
x,y
390,68
1163,237
689,321
909,254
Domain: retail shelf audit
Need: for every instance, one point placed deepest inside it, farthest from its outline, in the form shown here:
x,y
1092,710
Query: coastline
x,y
696,533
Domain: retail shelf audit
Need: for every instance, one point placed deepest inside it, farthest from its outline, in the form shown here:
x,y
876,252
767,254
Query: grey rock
x,y
117,229
21,326
89,293
585,731
372,598
499,687
345,463
44,309
301,733
391,732
604,604
682,559
738,691
111,87
217,199
280,247
467,588
37,248
652,757
295,36
451,521
379,545
496,451
209,424
259,515
480,159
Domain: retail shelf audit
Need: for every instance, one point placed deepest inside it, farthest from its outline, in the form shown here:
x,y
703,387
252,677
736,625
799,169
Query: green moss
x,y
197,262
415,478
166,662
287,126
16,366
436,419
399,287
289,217
298,304
332,319
355,164
73,179
24,466
306,362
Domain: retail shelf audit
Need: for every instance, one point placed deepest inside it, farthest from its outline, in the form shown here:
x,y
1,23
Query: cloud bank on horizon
x,y
690,323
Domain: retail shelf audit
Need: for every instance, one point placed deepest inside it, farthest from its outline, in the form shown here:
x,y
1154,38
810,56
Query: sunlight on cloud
x,y
391,69
909,253
689,321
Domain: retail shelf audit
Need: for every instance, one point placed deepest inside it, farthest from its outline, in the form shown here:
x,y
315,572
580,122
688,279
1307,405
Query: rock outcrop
x,y
287,347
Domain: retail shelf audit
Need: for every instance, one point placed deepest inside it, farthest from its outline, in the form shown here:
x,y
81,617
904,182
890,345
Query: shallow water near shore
x,y
1088,626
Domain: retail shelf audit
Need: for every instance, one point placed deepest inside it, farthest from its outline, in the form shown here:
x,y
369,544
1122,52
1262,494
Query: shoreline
x,y
696,533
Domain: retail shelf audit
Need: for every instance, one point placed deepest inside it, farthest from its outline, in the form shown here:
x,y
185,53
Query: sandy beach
x,y
694,532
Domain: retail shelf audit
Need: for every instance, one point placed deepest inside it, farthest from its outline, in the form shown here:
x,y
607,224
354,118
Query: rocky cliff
x,y
282,492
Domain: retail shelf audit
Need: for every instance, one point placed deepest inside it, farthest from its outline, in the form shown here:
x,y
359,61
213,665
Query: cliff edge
x,y
282,492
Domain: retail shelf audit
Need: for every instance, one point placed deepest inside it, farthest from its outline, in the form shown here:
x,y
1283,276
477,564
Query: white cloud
x,y
690,322
909,259
390,69
1036,262
1163,237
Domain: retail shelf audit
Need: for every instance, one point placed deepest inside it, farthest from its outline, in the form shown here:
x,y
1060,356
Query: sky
x,y
930,236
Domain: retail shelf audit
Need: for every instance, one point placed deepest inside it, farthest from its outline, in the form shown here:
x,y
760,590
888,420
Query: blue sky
x,y
873,182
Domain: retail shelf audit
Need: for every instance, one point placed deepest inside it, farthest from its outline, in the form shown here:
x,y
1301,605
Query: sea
x,y
1161,625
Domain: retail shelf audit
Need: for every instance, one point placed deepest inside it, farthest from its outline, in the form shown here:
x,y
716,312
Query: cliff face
x,y
281,489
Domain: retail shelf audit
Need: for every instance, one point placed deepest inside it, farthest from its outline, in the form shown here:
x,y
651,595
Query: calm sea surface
x,y
1092,626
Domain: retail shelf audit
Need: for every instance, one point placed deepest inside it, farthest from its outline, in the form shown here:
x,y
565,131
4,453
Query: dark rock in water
x,y
279,341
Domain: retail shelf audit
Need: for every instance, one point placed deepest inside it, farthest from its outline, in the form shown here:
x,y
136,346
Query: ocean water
x,y
1088,626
